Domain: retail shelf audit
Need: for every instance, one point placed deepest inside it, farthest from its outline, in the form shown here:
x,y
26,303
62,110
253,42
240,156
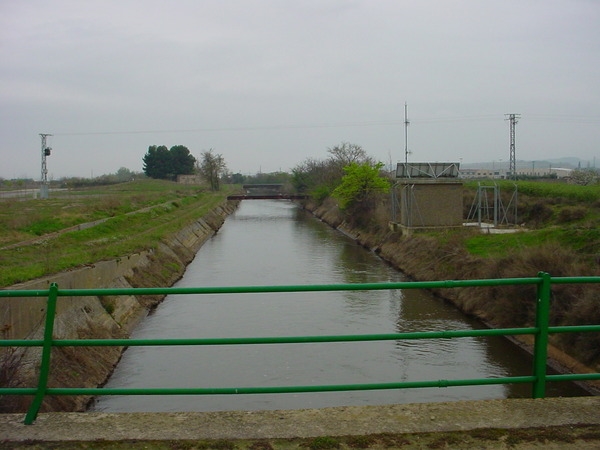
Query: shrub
x,y
537,214
585,310
9,378
324,442
320,193
571,214
361,441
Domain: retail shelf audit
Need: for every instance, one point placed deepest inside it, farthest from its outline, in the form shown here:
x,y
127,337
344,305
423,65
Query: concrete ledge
x,y
344,421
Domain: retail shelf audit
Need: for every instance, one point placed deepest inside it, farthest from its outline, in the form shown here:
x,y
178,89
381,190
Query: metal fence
x,y
540,330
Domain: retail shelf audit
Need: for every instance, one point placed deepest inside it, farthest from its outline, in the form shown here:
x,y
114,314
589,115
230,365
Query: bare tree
x,y
211,167
347,153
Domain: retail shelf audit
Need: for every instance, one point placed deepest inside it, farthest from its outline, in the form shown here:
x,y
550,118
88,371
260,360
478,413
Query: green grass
x,y
45,226
488,245
575,192
22,219
556,213
560,190
584,240
120,235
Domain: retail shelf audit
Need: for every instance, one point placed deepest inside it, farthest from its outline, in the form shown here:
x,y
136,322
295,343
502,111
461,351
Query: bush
x,y
571,214
9,378
537,214
323,443
585,310
320,193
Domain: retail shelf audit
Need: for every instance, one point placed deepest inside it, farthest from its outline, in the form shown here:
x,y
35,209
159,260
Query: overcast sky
x,y
270,83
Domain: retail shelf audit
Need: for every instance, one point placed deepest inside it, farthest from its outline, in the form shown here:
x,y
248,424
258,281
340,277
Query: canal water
x,y
270,242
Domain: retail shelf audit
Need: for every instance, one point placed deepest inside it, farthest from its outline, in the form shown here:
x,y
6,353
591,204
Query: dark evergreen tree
x,y
162,163
157,162
182,161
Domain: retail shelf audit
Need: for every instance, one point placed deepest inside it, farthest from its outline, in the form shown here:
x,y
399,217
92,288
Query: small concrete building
x,y
191,179
430,195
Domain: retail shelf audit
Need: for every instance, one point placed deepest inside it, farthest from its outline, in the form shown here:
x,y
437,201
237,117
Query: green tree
x,y
238,178
320,177
157,162
162,163
359,186
182,161
124,174
211,167
316,177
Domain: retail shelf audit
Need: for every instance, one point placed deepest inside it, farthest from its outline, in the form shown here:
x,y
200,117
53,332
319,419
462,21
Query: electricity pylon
x,y
512,168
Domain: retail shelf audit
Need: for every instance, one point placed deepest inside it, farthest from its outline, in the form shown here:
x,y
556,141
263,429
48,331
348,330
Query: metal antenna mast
x,y
512,169
45,152
406,123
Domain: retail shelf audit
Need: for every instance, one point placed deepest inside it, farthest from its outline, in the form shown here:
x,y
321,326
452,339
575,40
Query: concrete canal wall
x,y
94,317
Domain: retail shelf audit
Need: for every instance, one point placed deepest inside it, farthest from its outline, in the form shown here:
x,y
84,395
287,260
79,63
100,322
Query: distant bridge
x,y
267,197
265,192
271,187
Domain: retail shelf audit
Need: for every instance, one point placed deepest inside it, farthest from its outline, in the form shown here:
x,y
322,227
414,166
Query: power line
x,y
222,129
562,118
280,127
374,123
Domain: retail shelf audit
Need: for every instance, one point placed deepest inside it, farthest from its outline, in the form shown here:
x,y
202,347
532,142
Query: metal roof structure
x,y
427,170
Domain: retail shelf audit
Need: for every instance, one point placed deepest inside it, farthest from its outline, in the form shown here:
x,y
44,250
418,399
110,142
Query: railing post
x,y
542,321
46,352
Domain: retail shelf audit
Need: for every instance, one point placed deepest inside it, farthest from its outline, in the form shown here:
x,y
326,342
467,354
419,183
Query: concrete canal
x,y
271,242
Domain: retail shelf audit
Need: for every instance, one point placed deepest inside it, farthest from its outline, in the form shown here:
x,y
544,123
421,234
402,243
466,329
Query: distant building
x,y
482,173
191,179
503,174
544,172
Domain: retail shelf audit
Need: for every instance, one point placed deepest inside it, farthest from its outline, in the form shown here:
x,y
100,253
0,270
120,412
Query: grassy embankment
x,y
43,237
561,214
35,240
560,234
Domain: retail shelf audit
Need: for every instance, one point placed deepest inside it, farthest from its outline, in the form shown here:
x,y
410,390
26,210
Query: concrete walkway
x,y
344,421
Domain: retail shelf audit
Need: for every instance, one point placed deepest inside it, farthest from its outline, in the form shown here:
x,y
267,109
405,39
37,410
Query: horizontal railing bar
x,y
575,280
302,339
21,343
281,339
25,293
574,329
296,339
289,389
282,288
573,377
18,391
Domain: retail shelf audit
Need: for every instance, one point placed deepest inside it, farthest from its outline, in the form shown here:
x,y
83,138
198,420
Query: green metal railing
x,y
541,331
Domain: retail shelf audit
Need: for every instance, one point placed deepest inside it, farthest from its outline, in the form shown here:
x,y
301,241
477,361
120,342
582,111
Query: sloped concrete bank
x,y
95,317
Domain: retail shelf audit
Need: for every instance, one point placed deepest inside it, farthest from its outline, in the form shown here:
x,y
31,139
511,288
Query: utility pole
x,y
512,168
44,188
406,123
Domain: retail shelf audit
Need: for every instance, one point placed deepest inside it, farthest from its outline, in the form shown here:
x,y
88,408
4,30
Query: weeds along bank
x,y
94,317
444,257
